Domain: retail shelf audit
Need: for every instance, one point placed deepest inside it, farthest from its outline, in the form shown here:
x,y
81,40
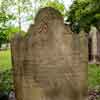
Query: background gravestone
x,y
50,62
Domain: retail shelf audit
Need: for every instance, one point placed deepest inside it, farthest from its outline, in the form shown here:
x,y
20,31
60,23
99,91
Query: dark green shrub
x,y
6,81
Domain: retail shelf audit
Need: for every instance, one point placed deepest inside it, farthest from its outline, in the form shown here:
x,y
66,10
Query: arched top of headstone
x,y
48,13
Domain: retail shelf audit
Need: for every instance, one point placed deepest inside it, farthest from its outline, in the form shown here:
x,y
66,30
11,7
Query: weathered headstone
x,y
94,45
50,62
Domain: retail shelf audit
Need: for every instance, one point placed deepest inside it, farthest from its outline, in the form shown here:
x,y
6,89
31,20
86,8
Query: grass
x,y
93,75
6,79
5,60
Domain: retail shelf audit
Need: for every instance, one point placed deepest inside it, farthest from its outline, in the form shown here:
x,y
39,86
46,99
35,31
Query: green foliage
x,y
7,33
3,36
6,81
57,5
5,17
11,31
85,13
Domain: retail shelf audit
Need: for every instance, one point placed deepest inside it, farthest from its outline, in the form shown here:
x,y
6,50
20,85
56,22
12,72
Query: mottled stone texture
x,y
50,62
